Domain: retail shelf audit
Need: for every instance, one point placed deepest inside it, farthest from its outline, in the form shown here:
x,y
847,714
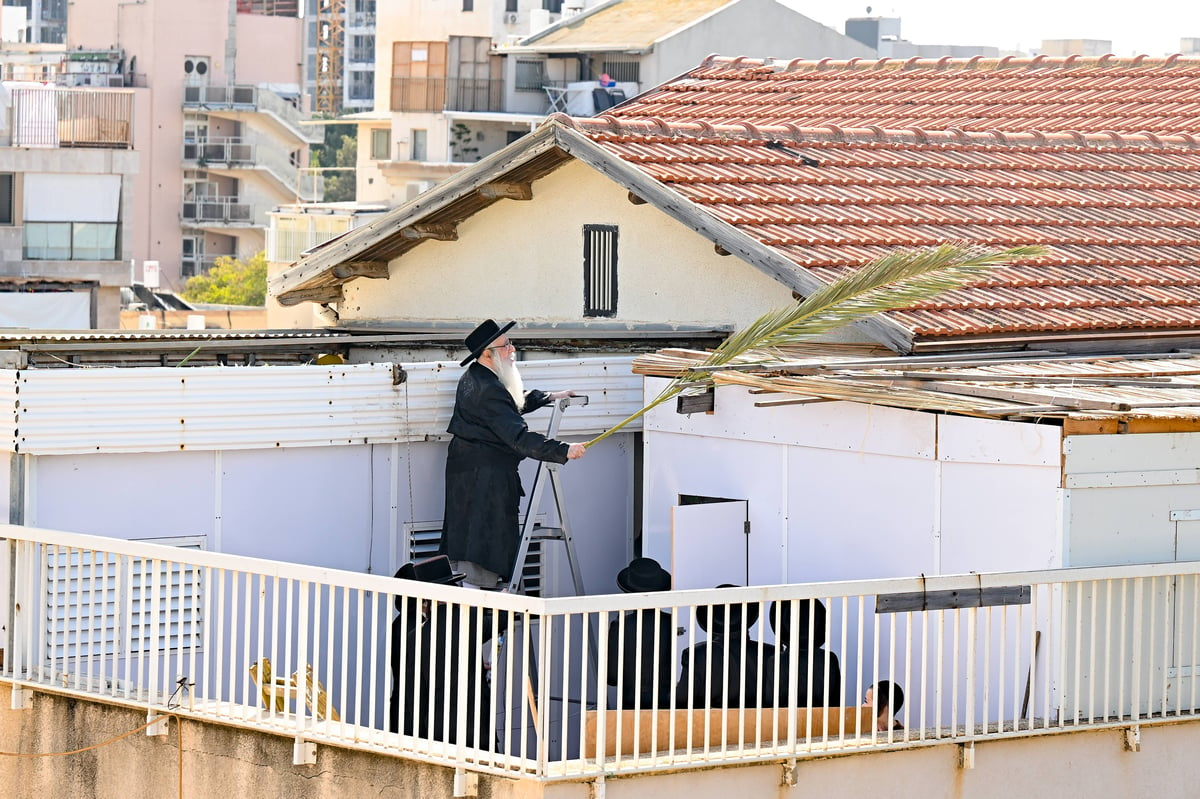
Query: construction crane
x,y
331,37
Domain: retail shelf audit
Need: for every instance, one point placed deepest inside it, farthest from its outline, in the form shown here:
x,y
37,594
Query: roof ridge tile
x,y
1028,138
1041,61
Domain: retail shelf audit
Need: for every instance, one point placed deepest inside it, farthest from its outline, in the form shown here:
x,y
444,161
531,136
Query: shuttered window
x,y
599,270
102,606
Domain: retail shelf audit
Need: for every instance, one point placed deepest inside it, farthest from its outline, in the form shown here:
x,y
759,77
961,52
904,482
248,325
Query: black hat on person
x,y
780,616
734,610
643,574
431,570
479,338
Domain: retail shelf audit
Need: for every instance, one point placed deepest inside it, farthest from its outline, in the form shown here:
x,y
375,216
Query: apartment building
x,y
457,82
37,21
339,55
67,171
219,125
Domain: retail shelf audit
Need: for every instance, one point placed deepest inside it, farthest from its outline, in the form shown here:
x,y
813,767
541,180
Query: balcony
x,y
217,212
447,94
362,55
240,99
599,686
260,153
53,117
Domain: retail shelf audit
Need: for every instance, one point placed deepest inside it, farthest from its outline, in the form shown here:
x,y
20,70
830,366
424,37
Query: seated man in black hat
x,y
480,532
429,640
642,684
816,686
724,669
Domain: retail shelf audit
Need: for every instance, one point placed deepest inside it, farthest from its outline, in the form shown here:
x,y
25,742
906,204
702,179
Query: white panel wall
x,y
1121,490
852,491
339,507
48,310
72,198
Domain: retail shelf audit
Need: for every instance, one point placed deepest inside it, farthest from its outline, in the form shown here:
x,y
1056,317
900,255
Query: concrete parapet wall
x,y
230,763
218,761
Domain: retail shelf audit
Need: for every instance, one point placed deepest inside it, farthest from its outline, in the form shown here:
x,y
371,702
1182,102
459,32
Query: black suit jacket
x,y
635,693
734,673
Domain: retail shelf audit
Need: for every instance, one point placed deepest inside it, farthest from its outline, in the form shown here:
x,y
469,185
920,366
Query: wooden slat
x,y
766,725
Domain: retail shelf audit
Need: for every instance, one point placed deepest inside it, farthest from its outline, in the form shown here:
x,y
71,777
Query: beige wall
x,y
220,761
269,49
525,260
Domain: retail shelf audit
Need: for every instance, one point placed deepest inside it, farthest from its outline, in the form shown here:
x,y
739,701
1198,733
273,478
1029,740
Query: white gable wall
x,y
524,260
762,28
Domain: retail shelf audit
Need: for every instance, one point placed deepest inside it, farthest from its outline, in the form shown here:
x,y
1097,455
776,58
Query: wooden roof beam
x,y
353,269
510,191
438,232
319,294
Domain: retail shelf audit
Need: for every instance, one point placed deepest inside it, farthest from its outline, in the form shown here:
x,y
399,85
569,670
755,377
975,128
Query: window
x,y
531,76
70,241
599,270
468,5
381,144
6,198
553,6
622,71
99,605
419,143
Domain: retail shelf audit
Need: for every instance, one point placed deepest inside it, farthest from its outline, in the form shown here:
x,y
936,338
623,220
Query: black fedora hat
x,y
431,570
479,338
735,621
643,574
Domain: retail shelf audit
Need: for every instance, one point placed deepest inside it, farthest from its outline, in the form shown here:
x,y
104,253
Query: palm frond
x,y
896,280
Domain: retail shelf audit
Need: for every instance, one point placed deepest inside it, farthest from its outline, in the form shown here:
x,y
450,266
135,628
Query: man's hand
x,y
575,451
558,395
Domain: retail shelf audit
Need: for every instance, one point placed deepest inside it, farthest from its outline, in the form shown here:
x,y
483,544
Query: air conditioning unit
x,y
510,18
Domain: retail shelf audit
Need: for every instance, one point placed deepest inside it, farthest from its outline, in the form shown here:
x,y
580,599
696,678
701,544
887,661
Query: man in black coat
x,y
642,686
815,686
431,640
729,655
480,532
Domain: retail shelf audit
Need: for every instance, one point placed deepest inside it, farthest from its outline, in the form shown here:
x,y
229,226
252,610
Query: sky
x,y
1153,27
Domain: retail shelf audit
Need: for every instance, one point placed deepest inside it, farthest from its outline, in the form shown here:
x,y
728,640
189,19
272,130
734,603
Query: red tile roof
x,y
1120,214
1130,95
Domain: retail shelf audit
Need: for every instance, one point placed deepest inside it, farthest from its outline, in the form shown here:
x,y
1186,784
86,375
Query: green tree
x,y
340,149
231,281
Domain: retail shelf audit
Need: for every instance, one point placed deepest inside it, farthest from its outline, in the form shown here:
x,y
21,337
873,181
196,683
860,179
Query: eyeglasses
x,y
506,345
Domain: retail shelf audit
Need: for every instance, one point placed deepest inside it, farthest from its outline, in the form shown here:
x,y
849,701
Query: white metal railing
x,y
578,687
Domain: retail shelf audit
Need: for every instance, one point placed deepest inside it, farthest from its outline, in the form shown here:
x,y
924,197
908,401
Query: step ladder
x,y
548,472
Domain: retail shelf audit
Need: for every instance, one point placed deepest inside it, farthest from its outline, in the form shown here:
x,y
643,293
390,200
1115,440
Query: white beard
x,y
506,370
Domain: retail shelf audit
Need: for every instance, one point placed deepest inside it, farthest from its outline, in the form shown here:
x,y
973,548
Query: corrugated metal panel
x,y
65,411
8,408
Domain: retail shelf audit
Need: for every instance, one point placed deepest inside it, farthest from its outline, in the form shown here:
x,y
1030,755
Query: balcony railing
x,y
256,152
447,94
582,687
258,99
362,55
53,117
217,210
231,151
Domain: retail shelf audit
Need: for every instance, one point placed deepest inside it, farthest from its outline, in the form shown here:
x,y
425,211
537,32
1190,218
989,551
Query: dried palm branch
x,y
898,280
